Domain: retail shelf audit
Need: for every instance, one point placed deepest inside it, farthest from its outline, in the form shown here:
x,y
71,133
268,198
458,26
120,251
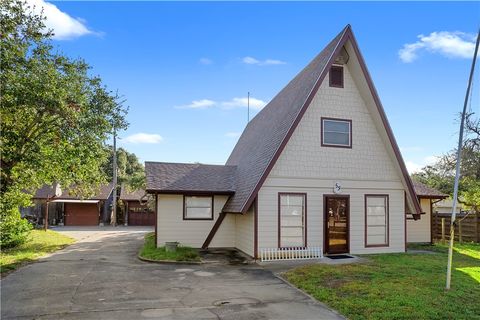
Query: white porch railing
x,y
294,253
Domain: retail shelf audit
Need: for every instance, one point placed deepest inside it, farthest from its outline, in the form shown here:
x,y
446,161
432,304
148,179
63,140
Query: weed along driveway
x,y
100,277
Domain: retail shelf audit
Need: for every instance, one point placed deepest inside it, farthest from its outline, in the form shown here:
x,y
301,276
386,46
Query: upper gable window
x,y
336,132
336,76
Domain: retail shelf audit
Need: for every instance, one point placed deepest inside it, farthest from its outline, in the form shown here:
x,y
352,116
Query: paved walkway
x,y
100,277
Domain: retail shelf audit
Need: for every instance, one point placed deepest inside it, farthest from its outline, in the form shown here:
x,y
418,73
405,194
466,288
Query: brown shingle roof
x,y
102,194
423,191
131,195
263,136
166,177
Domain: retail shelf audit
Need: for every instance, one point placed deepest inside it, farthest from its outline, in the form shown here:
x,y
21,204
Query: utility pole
x,y
113,219
457,168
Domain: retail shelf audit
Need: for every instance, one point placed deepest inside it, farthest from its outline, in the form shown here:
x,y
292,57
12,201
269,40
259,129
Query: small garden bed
x,y
398,286
39,243
151,253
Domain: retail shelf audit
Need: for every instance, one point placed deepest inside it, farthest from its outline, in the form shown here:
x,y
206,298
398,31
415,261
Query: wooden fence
x,y
467,230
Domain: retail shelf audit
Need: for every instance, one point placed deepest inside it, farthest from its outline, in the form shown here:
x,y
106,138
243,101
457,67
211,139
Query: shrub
x,y
13,228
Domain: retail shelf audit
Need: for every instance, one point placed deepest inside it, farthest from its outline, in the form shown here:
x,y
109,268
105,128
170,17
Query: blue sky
x,y
185,68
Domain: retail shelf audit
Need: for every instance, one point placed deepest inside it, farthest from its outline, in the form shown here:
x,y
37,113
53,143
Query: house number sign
x,y
337,187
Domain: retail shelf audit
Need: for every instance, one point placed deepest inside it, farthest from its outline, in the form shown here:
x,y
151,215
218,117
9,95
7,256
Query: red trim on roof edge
x,y
347,35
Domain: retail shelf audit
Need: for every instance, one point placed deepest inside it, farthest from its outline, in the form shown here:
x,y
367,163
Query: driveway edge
x,y
309,296
169,261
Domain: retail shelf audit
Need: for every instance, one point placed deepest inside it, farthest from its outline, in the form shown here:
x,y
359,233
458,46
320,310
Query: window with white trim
x,y
198,208
292,220
376,219
336,133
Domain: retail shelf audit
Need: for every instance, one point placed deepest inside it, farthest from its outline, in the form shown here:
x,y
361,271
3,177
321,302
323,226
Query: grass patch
x,y
39,243
149,251
398,286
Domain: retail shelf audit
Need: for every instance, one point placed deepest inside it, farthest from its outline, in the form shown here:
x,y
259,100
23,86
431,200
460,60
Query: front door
x,y
336,213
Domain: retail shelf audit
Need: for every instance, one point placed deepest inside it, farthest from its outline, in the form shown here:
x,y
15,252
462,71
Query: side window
x,y
291,219
198,208
376,220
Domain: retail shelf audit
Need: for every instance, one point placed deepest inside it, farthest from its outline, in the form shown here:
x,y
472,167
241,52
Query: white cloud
x,y
233,134
255,104
450,44
243,102
143,138
413,167
205,61
64,26
251,60
198,104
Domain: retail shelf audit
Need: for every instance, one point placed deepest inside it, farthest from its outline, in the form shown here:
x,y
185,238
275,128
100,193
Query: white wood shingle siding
x,y
172,227
245,231
419,230
306,166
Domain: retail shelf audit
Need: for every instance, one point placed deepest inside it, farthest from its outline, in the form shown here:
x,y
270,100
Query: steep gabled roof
x,y
163,177
260,143
267,134
102,193
423,191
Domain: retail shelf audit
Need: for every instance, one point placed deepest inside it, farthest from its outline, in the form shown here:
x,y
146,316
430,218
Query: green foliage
x,y
398,286
151,252
13,229
55,116
441,174
39,244
130,171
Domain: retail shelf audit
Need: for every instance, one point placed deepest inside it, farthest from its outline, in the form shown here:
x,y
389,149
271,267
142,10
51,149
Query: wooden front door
x,y
336,222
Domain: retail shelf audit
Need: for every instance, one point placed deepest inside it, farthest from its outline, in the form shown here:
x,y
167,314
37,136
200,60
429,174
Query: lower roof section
x,y
189,178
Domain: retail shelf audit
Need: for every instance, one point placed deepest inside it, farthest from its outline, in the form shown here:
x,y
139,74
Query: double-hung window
x,y
292,211
336,132
376,220
198,208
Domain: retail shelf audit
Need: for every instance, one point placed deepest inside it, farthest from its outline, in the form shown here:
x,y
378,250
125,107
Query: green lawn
x,y
39,243
398,286
149,251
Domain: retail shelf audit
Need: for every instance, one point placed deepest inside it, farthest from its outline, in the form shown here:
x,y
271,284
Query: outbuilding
x,y
71,210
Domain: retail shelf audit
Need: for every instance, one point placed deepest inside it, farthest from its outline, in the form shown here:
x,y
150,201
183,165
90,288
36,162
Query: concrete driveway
x,y
100,277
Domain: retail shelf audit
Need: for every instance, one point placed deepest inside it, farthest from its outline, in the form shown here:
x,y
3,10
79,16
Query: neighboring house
x,y
420,231
137,211
446,206
71,210
317,167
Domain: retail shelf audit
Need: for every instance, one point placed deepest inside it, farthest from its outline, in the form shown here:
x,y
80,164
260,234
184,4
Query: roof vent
x,y
342,57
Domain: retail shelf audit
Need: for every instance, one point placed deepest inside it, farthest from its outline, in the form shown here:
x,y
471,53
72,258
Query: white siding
x,y
268,216
306,166
419,230
244,239
172,227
